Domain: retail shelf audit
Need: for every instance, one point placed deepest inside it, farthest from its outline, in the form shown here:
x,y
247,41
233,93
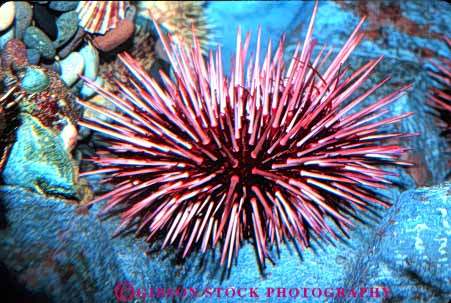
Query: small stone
x,y
158,65
24,15
8,35
72,44
33,56
69,136
114,37
7,11
71,67
100,101
87,92
67,25
91,58
130,13
14,54
76,88
34,80
45,21
63,6
35,38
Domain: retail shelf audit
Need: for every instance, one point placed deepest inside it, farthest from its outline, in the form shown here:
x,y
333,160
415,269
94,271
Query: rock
x,y
6,36
54,106
130,12
114,37
35,38
33,56
411,248
59,251
14,54
39,161
7,12
76,88
45,20
71,67
24,15
73,43
87,92
100,101
67,25
63,6
69,136
157,66
34,80
91,59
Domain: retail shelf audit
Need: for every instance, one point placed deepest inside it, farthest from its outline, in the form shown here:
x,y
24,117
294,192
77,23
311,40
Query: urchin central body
x,y
264,155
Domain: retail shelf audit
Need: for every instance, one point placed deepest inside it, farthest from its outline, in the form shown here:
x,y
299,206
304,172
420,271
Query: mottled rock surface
x,y
54,249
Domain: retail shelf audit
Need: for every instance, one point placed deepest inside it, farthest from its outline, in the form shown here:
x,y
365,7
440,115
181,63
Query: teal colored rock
x,y
6,36
87,92
71,67
63,6
34,80
39,162
24,15
33,56
91,59
76,88
67,25
35,38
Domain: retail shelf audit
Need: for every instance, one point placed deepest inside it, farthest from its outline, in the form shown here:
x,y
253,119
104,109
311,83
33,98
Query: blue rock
x,y
6,36
63,6
63,252
67,25
87,92
91,61
33,56
411,250
71,67
24,15
39,162
72,253
35,38
34,80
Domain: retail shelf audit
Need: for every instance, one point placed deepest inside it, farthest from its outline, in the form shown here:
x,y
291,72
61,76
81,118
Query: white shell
x,y
97,17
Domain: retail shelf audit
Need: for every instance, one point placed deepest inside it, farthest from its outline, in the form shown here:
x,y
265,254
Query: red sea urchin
x,y
207,159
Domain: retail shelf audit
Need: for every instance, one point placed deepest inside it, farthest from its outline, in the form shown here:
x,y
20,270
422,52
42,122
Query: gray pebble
x,y
24,15
67,25
33,56
73,43
63,6
35,38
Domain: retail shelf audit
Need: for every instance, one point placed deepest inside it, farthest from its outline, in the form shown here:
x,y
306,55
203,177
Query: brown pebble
x,y
14,54
114,37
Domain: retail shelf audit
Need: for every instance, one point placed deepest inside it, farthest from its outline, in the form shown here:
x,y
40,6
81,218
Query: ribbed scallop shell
x,y
97,17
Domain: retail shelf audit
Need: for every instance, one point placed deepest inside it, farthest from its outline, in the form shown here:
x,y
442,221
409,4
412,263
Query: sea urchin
x,y
264,155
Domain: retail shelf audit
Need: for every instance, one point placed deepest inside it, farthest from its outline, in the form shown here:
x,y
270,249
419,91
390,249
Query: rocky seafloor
x,y
51,251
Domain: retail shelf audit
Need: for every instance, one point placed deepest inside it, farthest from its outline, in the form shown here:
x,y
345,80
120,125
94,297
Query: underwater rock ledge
x,y
58,250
